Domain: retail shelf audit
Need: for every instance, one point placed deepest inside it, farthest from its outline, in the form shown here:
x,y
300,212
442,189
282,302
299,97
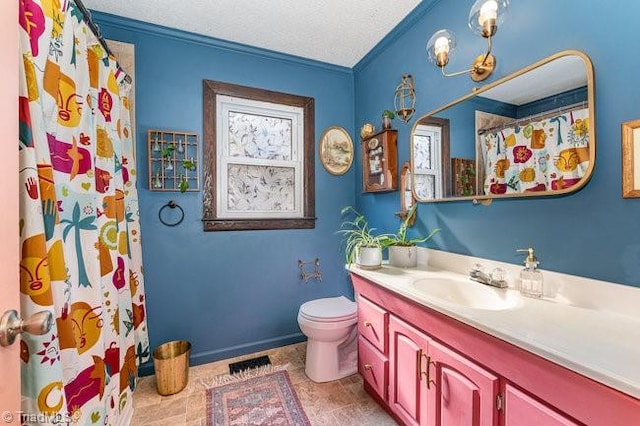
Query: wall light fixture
x,y
484,18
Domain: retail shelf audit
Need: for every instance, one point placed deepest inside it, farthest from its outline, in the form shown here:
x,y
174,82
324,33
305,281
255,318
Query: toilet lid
x,y
329,309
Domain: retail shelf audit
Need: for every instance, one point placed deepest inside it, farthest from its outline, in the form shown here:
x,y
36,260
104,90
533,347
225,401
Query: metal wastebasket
x,y
171,363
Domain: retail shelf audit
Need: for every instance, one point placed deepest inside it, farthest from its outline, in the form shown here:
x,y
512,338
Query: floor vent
x,y
236,367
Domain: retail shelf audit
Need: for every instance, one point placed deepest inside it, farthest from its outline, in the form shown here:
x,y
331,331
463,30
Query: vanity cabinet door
x,y
407,387
463,393
520,409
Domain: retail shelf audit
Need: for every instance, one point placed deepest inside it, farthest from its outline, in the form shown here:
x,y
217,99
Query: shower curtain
x,y
544,155
79,224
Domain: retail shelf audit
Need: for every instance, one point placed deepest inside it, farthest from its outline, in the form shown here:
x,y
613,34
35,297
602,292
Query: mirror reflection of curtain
x,y
79,229
546,155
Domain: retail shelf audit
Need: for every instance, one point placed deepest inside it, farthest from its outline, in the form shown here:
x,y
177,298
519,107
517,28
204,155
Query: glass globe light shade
x,y
486,16
440,47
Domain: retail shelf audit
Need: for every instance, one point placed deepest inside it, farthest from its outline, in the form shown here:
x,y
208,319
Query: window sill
x,y
258,224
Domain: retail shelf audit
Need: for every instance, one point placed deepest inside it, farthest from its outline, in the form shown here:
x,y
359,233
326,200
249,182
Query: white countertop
x,y
591,327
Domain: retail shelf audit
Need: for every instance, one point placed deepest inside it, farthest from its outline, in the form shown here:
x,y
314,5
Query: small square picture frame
x,y
631,159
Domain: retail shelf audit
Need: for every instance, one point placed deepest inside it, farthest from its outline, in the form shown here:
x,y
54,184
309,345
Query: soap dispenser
x,y
530,276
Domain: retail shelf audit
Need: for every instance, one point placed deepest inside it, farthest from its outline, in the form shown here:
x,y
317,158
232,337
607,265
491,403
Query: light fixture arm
x,y
482,67
489,48
453,74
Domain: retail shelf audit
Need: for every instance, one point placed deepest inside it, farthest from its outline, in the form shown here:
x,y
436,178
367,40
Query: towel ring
x,y
172,205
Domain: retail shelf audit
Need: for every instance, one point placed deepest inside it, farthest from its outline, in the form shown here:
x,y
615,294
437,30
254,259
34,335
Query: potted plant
x,y
402,250
362,246
387,116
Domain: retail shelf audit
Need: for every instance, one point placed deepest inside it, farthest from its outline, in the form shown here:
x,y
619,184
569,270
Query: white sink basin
x,y
467,293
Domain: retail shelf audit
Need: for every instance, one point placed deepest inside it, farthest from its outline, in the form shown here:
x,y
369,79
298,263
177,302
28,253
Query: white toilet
x,y
332,345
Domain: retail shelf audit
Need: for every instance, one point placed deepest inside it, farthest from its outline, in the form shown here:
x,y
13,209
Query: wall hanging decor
x,y
367,130
336,150
631,159
405,98
174,163
380,162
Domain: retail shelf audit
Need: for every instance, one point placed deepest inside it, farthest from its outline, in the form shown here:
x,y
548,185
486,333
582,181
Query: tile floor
x,y
339,403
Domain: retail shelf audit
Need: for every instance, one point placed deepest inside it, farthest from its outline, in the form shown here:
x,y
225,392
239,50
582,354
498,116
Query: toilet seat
x,y
331,309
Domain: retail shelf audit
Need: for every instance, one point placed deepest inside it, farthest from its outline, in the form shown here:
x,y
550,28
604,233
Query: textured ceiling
x,y
334,31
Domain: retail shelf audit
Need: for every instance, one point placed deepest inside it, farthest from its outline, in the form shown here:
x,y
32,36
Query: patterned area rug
x,y
265,399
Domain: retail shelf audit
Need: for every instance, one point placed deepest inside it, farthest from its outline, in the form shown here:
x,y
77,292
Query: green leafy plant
x,y
168,151
357,233
184,184
400,238
189,164
389,114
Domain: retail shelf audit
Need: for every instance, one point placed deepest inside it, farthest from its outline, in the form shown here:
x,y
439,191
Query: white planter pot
x,y
369,257
403,257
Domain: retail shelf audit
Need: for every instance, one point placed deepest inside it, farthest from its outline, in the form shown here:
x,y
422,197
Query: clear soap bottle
x,y
531,277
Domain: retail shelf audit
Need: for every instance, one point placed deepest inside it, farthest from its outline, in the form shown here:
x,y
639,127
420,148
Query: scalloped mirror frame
x,y
487,198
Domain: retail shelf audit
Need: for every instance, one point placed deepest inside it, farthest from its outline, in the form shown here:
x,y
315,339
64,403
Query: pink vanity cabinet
x,y
429,384
426,368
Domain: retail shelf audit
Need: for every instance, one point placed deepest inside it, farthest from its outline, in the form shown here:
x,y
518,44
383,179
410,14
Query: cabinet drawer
x,y
372,323
373,366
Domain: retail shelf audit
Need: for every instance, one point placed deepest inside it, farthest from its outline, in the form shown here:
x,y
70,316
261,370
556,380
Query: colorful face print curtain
x,y
79,232
546,155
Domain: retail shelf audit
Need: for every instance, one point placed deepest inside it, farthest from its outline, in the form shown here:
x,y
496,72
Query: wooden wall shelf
x,y
380,162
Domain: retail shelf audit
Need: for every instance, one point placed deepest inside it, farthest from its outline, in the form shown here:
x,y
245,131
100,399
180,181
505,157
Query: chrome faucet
x,y
495,279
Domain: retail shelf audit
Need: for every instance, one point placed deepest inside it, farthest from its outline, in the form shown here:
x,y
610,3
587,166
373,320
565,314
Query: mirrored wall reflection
x,y
528,134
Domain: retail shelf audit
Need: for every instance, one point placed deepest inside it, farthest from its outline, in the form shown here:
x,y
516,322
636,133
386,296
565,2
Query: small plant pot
x,y
369,257
403,256
386,123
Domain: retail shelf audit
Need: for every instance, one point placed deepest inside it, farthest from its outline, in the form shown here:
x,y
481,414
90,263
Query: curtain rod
x,y
540,116
96,31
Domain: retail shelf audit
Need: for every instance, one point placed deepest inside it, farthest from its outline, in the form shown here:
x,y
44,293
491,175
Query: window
x,y
431,158
259,159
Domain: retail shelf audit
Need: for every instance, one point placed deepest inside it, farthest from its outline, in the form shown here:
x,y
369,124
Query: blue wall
x,y
230,292
594,232
237,292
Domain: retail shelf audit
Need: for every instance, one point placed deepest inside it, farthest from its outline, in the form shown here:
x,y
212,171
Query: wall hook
x,y
314,274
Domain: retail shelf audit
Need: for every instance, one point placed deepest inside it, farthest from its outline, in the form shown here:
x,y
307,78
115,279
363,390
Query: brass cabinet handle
x,y
368,367
427,373
419,356
367,324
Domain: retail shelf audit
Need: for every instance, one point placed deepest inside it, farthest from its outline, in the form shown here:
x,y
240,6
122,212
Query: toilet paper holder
x,y
314,273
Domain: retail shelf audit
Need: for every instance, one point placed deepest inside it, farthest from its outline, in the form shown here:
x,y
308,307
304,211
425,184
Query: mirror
x,y
407,198
531,133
